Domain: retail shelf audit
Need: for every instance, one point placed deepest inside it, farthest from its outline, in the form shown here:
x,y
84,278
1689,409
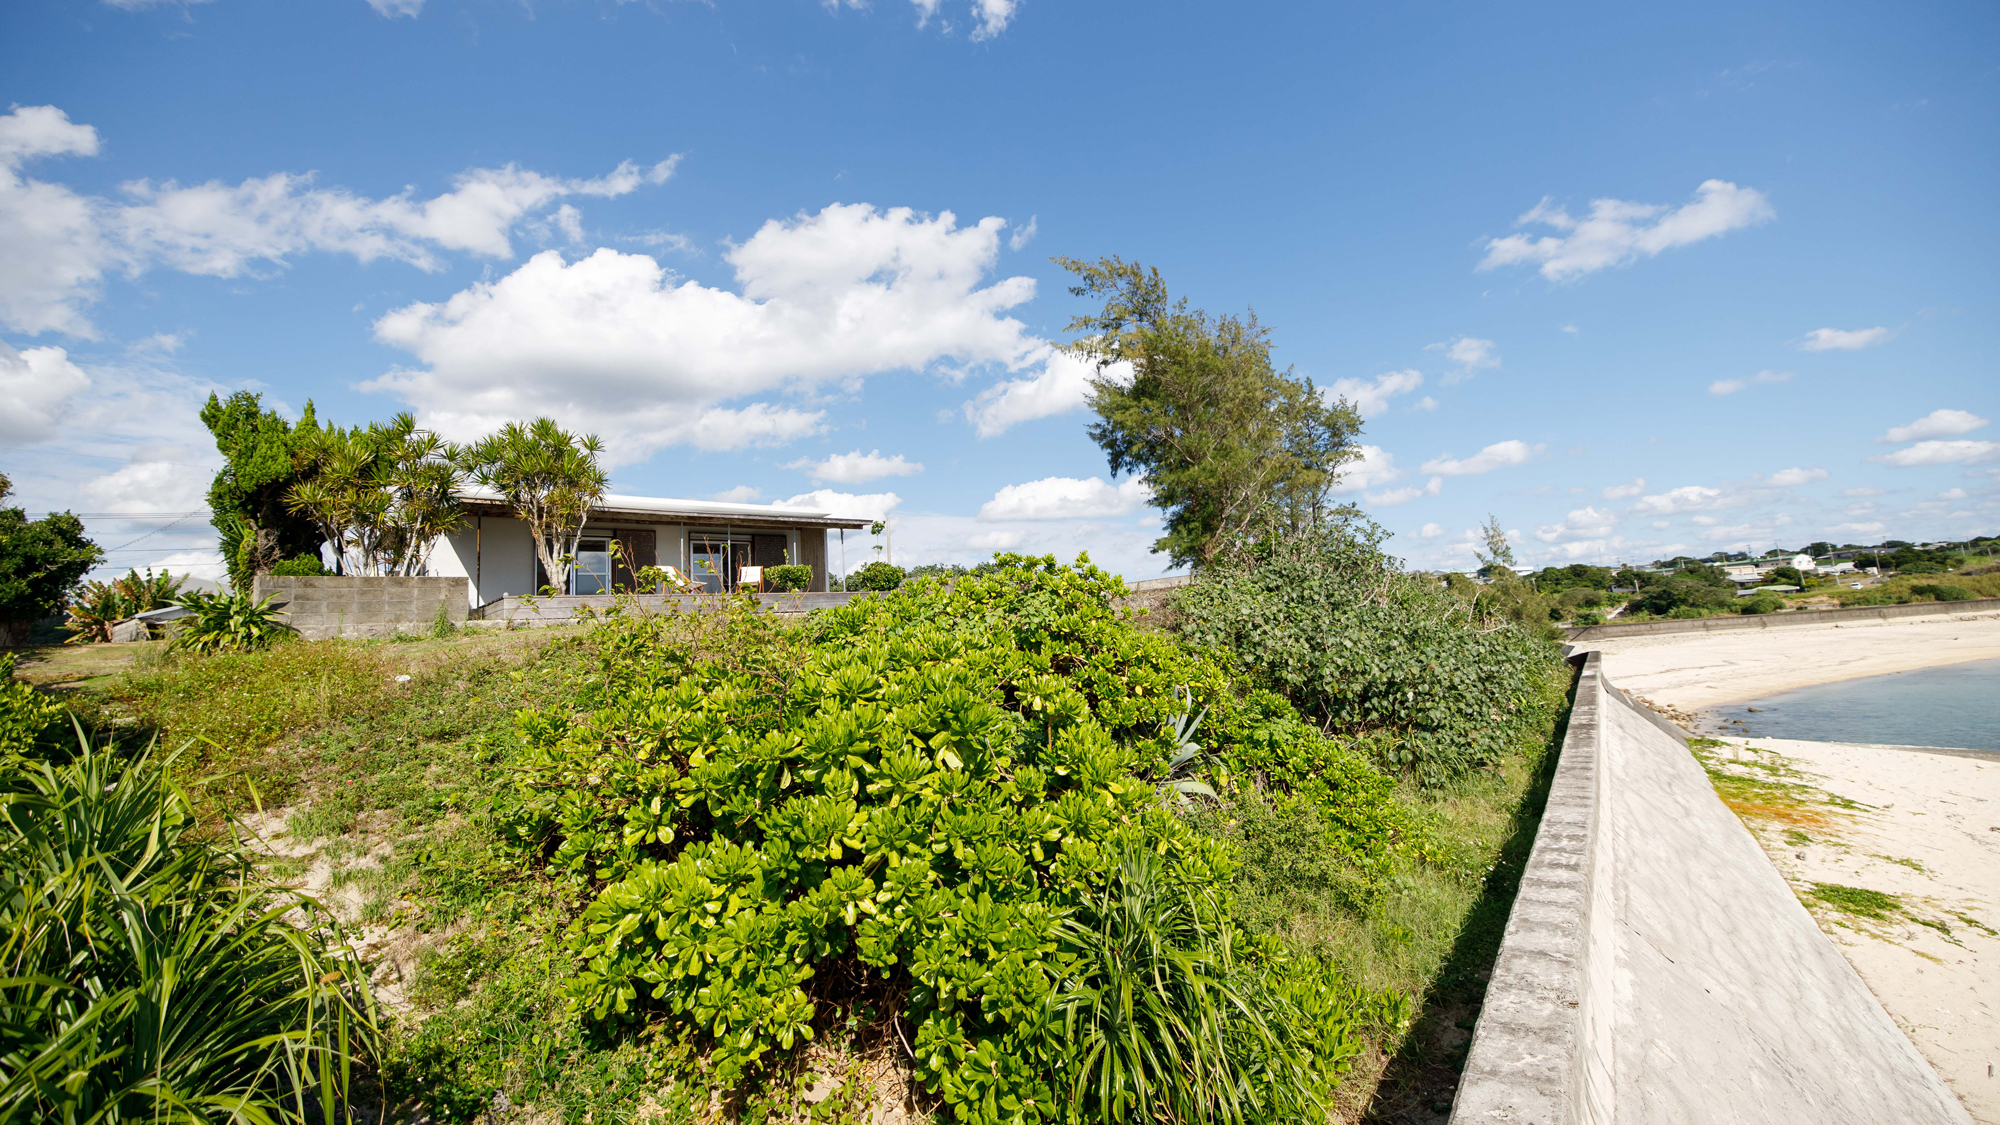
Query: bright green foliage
x,y
261,463
930,803
305,566
95,607
39,561
1944,592
1364,648
876,576
791,576
1194,407
150,977
231,622
1556,579
382,495
552,479
24,713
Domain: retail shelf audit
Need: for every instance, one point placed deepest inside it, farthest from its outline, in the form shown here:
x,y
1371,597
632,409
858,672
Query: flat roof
x,y
663,509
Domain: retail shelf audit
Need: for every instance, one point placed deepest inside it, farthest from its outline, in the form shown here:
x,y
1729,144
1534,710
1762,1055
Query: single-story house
x,y
706,541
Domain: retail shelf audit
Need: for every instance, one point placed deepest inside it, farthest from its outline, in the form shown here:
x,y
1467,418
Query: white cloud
x,y
390,9
1617,231
1376,466
1470,353
1789,478
1864,528
1936,424
1864,492
741,494
1731,386
1427,403
857,467
617,344
1404,495
1371,396
59,244
35,386
1499,455
1061,498
991,16
1062,385
1952,494
1941,453
1023,236
1689,498
865,506
1587,521
1836,339
1430,531
1625,491
1571,329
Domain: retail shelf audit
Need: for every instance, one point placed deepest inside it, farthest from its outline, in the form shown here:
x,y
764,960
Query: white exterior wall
x,y
495,552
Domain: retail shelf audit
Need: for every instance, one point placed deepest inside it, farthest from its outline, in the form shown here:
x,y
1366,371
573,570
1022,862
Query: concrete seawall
x,y
1738,622
1656,968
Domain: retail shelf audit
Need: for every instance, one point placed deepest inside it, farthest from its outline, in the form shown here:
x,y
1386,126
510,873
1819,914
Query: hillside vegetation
x,y
989,852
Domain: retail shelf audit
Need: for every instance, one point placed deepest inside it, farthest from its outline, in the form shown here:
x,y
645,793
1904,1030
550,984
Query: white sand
x,y
1942,814
1691,671
1939,812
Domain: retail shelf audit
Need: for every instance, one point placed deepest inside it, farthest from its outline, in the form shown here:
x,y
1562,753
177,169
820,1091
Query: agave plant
x,y
229,622
150,976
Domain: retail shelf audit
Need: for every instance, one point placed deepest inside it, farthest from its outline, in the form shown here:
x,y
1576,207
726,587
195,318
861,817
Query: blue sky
x,y
1636,282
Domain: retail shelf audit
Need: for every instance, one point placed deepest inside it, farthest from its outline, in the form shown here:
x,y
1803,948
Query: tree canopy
x,y
40,562
261,464
1193,406
552,479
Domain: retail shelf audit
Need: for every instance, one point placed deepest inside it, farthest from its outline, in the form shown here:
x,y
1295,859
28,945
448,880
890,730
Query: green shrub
x,y
1760,603
230,622
1360,646
925,804
1943,592
150,976
25,714
876,576
791,576
304,566
1587,617
1671,595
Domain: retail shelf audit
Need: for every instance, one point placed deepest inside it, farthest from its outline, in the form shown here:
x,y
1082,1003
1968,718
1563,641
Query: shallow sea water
x,y
1954,705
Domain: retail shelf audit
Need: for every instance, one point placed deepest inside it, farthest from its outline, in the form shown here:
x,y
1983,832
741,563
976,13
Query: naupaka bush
x,y
951,804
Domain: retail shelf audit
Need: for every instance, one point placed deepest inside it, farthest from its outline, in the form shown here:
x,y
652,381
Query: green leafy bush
x,y
791,576
24,713
1669,595
150,977
304,566
876,576
1760,603
931,804
1942,592
230,622
1360,646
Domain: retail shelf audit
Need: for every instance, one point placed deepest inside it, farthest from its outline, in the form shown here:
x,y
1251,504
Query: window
x,y
592,572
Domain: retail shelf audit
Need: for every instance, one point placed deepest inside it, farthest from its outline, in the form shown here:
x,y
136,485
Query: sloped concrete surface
x,y
1657,969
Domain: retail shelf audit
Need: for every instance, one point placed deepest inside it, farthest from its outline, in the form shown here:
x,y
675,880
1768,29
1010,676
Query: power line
x,y
153,532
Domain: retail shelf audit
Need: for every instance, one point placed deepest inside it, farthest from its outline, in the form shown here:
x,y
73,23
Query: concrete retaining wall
x,y
321,608
1781,620
519,611
1657,969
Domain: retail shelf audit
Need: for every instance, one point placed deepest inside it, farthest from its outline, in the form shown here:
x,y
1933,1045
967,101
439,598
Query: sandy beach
x,y
1690,671
1895,851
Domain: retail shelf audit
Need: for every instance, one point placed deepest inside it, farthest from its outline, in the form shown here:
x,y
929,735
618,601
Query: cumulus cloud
x,y
1022,236
35,386
1587,521
1371,396
857,467
1942,453
1430,531
1731,386
1499,455
1789,478
1470,354
1936,424
1851,492
1617,232
741,494
390,9
60,244
618,344
1625,491
1404,495
1688,498
990,17
1862,528
1061,498
1062,385
1376,466
1836,339
863,506
1952,494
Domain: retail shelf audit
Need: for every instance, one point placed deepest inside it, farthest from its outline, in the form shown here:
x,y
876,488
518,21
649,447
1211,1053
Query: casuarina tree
x,y
552,479
40,561
261,464
1192,406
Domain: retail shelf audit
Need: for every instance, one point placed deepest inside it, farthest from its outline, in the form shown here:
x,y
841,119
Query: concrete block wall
x,y
323,608
1657,970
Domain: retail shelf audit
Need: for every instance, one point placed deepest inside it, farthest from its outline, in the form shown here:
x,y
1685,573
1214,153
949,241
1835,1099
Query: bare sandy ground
x,y
1691,671
1922,827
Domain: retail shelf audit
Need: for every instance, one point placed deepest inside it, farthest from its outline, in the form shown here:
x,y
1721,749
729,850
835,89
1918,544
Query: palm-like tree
x,y
551,478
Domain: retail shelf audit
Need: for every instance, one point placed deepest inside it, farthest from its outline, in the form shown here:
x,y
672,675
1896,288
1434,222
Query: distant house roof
x,y
662,509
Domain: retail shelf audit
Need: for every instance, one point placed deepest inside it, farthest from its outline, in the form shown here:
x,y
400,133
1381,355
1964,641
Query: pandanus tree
x,y
552,479
382,495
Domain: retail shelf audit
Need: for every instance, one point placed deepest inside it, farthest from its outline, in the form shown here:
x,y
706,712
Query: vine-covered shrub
x,y
1436,684
954,807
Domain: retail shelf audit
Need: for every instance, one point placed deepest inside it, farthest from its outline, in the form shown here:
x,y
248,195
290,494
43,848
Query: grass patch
x,y
1796,838
1861,902
1909,863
